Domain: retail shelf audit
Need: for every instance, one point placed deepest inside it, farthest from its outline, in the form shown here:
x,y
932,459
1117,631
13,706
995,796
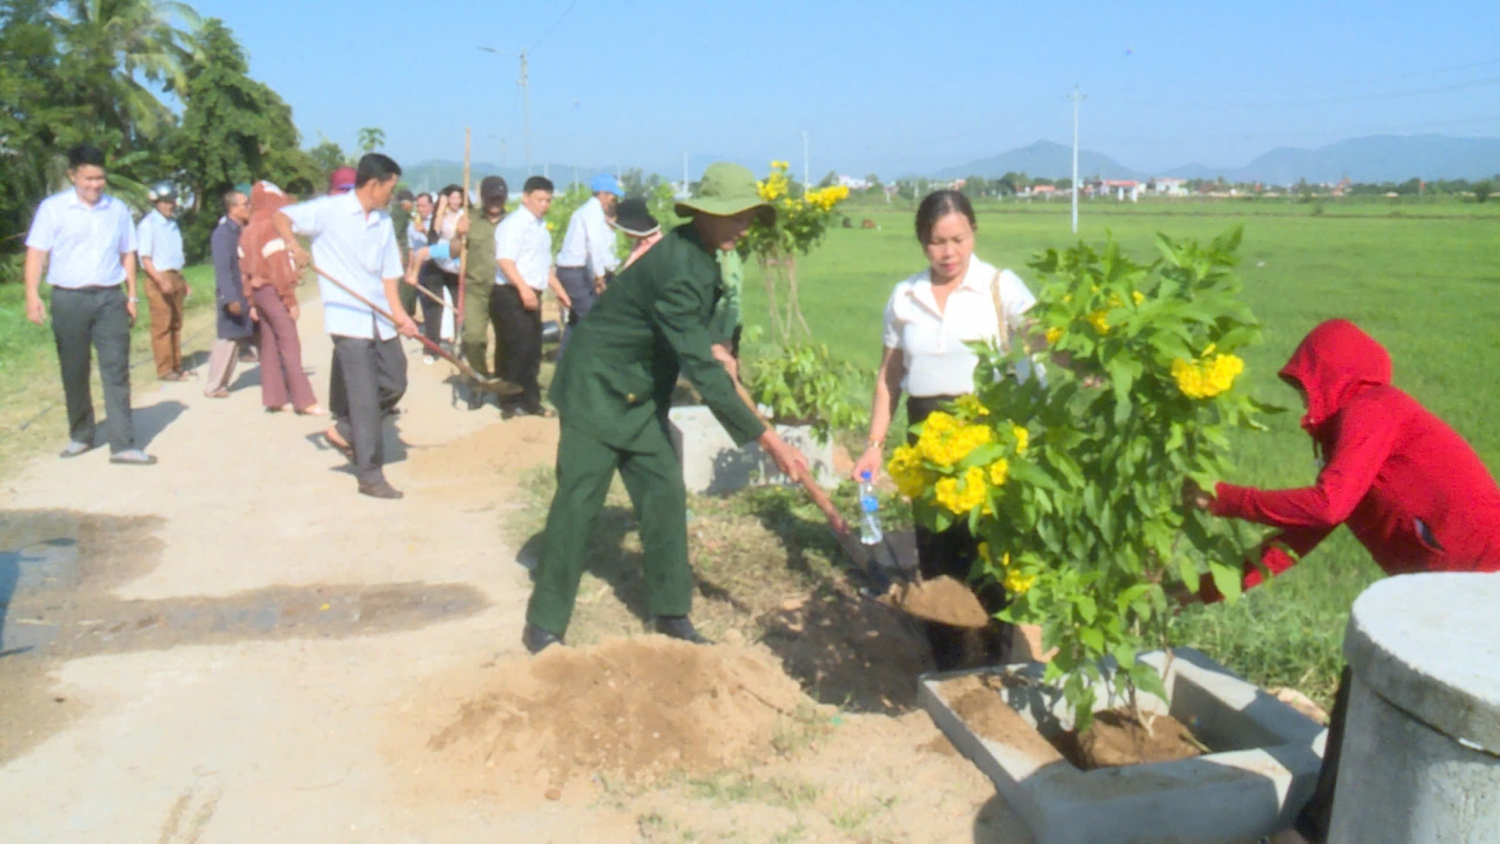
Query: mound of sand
x,y
630,709
941,599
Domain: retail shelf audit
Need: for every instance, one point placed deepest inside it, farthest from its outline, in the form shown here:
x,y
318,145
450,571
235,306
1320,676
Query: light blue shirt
x,y
86,244
161,240
359,250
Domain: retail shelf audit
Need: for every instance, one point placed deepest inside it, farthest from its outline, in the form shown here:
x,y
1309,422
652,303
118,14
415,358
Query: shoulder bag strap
x,y
1000,313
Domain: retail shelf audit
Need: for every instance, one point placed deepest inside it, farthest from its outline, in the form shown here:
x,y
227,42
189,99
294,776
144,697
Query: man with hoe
x,y
613,390
479,280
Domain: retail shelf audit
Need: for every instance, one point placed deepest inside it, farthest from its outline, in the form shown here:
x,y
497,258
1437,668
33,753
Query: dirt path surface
x,y
233,646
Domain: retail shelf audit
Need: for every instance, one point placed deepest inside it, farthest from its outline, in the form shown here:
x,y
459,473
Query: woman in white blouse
x,y
930,319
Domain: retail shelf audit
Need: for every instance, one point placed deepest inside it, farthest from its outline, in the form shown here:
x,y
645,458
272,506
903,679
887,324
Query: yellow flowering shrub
x,y
803,217
1072,483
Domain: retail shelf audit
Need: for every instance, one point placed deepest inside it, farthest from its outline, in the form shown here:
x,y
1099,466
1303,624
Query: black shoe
x,y
537,640
476,399
381,489
679,627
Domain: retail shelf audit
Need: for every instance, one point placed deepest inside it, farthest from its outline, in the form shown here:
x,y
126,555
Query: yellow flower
x,y
1068,299
907,471
1137,296
1017,582
1053,335
998,472
1208,376
971,407
1098,320
1023,438
945,440
961,496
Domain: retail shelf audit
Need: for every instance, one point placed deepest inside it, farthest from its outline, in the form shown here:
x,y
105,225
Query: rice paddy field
x,y
1423,279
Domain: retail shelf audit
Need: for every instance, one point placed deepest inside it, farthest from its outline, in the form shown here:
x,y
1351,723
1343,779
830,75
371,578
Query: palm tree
x,y
122,46
371,138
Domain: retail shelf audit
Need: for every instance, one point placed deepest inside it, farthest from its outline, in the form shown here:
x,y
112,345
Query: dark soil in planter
x,y
1113,739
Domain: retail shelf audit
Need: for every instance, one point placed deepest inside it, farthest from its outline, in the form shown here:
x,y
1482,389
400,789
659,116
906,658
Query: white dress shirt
x,y
160,240
360,251
933,342
523,237
85,243
590,241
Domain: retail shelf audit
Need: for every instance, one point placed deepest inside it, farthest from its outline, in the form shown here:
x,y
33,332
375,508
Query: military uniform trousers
x,y
653,477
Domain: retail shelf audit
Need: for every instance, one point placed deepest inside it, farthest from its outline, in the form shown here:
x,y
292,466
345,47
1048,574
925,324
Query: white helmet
x,y
162,191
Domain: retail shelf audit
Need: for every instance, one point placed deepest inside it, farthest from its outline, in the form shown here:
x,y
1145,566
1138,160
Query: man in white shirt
x,y
588,250
160,244
86,242
523,255
353,241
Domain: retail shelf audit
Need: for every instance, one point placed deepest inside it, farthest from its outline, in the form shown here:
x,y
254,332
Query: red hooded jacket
x,y
263,256
1411,489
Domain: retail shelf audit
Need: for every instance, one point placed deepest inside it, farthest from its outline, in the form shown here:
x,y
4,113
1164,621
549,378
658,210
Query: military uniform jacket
x,y
653,321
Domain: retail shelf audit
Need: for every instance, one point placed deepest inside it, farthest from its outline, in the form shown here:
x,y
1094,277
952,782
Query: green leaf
x,y
1087,609
1093,638
1189,573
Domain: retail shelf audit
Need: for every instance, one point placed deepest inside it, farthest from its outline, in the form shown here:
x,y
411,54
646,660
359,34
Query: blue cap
x,y
606,183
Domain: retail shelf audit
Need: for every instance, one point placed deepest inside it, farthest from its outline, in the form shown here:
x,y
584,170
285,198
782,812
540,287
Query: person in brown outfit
x,y
160,245
271,286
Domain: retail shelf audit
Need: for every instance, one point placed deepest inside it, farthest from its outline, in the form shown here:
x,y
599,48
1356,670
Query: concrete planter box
x,y
1264,768
711,464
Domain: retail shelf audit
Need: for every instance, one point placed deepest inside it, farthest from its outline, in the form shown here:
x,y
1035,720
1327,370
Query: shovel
x,y
498,386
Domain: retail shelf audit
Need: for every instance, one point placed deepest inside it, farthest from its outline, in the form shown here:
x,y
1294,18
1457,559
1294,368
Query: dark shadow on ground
x,y
249,377
151,420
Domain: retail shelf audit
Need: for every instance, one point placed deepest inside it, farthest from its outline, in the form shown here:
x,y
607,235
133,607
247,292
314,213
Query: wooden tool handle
x,y
809,484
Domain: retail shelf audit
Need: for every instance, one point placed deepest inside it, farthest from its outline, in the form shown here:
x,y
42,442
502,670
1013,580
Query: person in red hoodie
x,y
1411,490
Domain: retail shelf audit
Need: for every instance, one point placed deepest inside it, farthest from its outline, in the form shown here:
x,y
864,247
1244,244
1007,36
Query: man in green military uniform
x,y
612,390
401,222
479,279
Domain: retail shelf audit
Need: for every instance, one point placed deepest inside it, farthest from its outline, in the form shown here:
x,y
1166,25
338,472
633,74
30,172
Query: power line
x,y
554,26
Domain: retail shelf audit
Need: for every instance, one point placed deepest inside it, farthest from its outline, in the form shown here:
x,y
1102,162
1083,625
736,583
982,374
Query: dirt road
x,y
234,646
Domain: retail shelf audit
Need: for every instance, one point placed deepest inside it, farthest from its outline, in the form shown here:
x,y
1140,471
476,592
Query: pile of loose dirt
x,y
1116,738
628,709
976,698
941,599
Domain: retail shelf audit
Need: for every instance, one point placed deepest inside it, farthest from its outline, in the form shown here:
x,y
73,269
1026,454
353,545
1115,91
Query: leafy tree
x,y
328,156
1483,190
874,182
1063,183
975,186
36,116
829,180
234,130
371,138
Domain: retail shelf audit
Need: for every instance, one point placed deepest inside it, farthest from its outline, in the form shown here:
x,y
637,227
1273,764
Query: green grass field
x,y
1428,287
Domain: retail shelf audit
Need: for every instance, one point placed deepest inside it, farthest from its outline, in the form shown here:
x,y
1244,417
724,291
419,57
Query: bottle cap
x,y
865,475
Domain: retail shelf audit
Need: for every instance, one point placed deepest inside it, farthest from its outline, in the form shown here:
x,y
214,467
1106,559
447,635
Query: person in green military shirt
x,y
613,388
479,279
401,221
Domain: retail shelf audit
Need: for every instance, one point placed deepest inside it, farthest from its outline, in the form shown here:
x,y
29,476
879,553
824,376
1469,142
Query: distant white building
x,y
1169,187
853,184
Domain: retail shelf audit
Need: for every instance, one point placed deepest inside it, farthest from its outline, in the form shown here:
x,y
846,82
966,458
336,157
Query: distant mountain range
x,y
1379,158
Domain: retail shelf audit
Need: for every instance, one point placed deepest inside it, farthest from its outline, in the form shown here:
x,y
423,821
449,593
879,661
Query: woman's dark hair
x,y
939,204
450,189
84,154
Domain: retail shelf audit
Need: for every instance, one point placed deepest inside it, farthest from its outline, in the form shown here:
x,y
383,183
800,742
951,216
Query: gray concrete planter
x,y
712,464
1263,769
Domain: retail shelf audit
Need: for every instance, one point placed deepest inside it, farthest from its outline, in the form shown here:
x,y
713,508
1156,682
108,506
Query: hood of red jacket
x,y
266,199
1334,363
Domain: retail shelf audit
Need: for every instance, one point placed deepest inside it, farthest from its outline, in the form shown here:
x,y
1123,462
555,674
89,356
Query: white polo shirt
x,y
523,237
160,239
85,242
590,241
360,251
933,342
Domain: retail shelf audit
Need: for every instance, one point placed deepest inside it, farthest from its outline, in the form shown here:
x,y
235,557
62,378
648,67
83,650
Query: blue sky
x,y
884,87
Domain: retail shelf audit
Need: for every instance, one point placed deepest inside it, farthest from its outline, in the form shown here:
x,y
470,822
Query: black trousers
x,y
367,380
435,280
1312,822
94,319
521,331
953,552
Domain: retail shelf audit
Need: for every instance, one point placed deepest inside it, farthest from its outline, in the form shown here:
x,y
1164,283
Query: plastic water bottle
x,y
869,505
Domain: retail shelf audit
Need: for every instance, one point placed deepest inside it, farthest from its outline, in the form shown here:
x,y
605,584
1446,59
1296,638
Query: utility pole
x,y
525,84
1077,97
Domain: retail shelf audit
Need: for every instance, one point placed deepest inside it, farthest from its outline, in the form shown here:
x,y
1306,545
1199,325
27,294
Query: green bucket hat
x,y
726,190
